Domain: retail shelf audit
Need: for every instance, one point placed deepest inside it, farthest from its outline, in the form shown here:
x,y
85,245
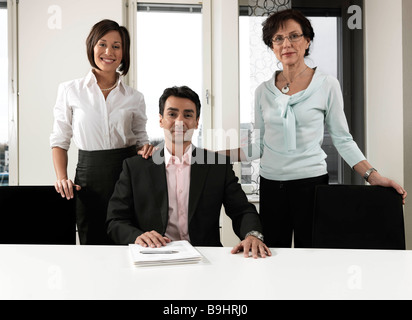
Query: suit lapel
x,y
198,174
158,178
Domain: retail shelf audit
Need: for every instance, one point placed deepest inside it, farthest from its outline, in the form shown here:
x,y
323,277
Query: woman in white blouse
x,y
107,121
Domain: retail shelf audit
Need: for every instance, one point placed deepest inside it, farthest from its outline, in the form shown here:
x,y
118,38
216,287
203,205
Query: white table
x,y
89,272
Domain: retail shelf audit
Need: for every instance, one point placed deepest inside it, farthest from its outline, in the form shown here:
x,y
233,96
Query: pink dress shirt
x,y
178,185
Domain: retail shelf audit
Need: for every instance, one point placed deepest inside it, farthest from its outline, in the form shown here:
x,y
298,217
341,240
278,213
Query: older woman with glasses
x,y
291,111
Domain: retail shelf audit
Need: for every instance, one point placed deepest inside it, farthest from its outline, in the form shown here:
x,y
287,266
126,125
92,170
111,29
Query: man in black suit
x,y
178,193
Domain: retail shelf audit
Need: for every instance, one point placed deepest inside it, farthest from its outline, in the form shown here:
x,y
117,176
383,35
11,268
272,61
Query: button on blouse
x,y
81,113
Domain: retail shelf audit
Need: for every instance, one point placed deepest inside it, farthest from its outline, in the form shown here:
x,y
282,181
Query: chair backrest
x,y
36,215
358,217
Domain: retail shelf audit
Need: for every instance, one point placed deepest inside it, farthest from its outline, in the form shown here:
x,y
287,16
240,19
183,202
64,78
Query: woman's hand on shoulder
x,y
146,151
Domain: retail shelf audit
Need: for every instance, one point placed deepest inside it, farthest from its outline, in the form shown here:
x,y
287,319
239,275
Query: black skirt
x,y
286,210
97,173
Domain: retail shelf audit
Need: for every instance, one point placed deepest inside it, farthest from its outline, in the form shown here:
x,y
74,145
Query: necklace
x,y
111,88
286,88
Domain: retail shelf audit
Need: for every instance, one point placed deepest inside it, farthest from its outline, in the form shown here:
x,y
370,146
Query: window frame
x,y
351,66
13,88
206,94
350,72
4,177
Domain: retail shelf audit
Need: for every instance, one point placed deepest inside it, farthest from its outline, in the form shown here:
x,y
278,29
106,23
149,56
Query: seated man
x,y
178,193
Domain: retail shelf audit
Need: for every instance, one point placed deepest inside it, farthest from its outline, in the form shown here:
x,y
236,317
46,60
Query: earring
x,y
279,67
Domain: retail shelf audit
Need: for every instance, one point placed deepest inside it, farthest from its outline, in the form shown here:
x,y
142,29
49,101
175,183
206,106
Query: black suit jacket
x,y
140,200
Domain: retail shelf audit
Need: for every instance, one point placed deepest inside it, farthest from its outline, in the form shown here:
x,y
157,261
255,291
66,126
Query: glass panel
x,y
263,7
324,55
169,53
4,153
258,63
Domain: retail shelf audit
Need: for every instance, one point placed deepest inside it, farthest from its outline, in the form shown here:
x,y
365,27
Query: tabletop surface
x,y
107,272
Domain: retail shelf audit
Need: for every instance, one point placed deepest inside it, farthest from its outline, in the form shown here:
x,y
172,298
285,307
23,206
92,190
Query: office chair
x,y
358,217
36,215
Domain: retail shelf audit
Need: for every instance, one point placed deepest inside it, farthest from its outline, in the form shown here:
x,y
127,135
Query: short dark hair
x,y
278,19
180,92
98,31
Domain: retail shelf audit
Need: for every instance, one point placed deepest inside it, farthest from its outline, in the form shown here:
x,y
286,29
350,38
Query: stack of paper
x,y
175,252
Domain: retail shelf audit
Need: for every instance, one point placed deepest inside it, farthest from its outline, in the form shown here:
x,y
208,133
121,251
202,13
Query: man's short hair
x,y
180,92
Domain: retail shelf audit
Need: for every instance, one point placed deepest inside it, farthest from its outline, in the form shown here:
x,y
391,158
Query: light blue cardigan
x,y
289,129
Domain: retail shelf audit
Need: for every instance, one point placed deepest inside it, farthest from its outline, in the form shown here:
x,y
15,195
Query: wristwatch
x,y
368,173
256,234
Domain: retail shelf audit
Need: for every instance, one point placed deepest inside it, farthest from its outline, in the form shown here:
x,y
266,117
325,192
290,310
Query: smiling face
x,y
179,121
290,53
108,52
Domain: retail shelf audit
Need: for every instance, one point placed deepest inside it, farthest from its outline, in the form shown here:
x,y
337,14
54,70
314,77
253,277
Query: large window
x,y
258,63
4,153
169,53
331,52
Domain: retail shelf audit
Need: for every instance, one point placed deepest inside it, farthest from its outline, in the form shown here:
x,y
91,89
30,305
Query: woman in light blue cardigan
x,y
291,110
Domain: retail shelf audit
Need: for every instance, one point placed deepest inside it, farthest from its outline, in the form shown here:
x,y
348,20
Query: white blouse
x,y
82,113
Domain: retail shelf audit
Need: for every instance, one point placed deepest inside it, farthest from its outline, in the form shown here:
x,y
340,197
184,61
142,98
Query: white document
x,y
175,252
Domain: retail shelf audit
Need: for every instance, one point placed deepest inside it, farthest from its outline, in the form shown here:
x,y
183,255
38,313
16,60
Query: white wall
x,y
407,112
388,92
384,86
52,35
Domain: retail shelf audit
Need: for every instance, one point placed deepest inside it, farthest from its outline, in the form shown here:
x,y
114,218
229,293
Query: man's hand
x,y
253,244
152,239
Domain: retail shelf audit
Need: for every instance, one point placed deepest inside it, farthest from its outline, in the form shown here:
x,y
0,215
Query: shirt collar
x,y
186,159
90,79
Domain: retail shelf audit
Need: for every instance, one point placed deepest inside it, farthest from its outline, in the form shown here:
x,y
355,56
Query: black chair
x,y
36,215
358,217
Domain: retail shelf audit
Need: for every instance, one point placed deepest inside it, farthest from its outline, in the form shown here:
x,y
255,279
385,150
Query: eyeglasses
x,y
278,40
